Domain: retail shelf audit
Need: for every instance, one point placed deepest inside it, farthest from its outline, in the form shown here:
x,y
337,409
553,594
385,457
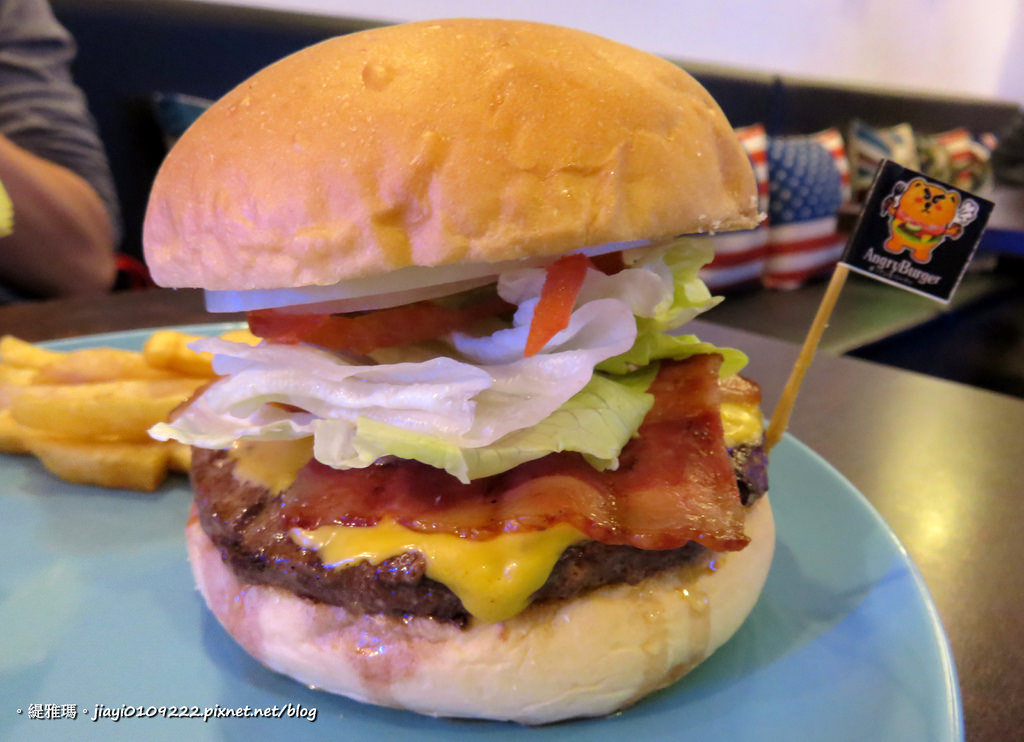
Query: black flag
x,y
916,232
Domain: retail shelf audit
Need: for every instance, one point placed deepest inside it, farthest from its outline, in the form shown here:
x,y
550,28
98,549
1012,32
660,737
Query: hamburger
x,y
469,464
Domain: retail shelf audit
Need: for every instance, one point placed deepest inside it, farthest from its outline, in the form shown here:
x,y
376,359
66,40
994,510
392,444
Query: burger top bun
x,y
432,143
588,656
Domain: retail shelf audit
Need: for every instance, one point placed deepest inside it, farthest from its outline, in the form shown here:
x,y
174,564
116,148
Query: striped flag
x,y
956,157
868,145
809,180
740,256
832,141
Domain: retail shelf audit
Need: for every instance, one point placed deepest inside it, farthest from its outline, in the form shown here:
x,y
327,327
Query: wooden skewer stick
x,y
783,410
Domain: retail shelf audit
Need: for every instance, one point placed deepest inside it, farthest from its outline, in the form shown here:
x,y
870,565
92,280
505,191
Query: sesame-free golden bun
x,y
587,656
437,143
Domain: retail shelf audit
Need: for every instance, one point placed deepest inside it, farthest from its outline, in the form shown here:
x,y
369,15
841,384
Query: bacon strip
x,y
740,390
675,483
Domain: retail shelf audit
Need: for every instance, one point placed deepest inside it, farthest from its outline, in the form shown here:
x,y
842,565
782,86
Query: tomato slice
x,y
283,327
365,332
383,328
609,263
558,297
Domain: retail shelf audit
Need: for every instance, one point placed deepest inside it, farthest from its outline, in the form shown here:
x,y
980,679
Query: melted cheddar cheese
x,y
743,424
493,578
271,464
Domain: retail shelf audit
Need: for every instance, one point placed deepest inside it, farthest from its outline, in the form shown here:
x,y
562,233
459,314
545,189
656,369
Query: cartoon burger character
x,y
921,215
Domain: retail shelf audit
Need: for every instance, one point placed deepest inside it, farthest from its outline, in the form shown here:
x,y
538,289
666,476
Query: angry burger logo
x,y
922,215
906,217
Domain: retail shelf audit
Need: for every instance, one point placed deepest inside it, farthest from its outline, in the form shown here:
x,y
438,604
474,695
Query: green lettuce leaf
x,y
596,422
684,259
653,345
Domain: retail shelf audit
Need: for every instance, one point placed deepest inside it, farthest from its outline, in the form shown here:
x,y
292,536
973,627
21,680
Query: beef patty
x,y
245,522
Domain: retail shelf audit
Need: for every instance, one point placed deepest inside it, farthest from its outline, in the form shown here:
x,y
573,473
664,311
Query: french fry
x,y
135,466
22,354
98,364
179,457
12,379
242,335
13,435
168,349
85,414
17,375
121,410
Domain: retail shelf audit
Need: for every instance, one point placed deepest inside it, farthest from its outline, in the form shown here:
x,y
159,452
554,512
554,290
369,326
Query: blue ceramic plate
x,y
97,606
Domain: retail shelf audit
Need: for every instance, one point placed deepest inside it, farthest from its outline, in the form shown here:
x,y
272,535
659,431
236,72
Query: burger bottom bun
x,y
583,657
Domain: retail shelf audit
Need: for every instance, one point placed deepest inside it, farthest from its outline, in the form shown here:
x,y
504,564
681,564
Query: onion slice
x,y
402,286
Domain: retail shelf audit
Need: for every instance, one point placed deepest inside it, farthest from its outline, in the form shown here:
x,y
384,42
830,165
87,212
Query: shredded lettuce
x,y
478,407
597,422
681,261
272,391
653,346
607,304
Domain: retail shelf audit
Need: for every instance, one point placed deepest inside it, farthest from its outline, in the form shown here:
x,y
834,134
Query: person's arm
x,y
52,163
63,240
